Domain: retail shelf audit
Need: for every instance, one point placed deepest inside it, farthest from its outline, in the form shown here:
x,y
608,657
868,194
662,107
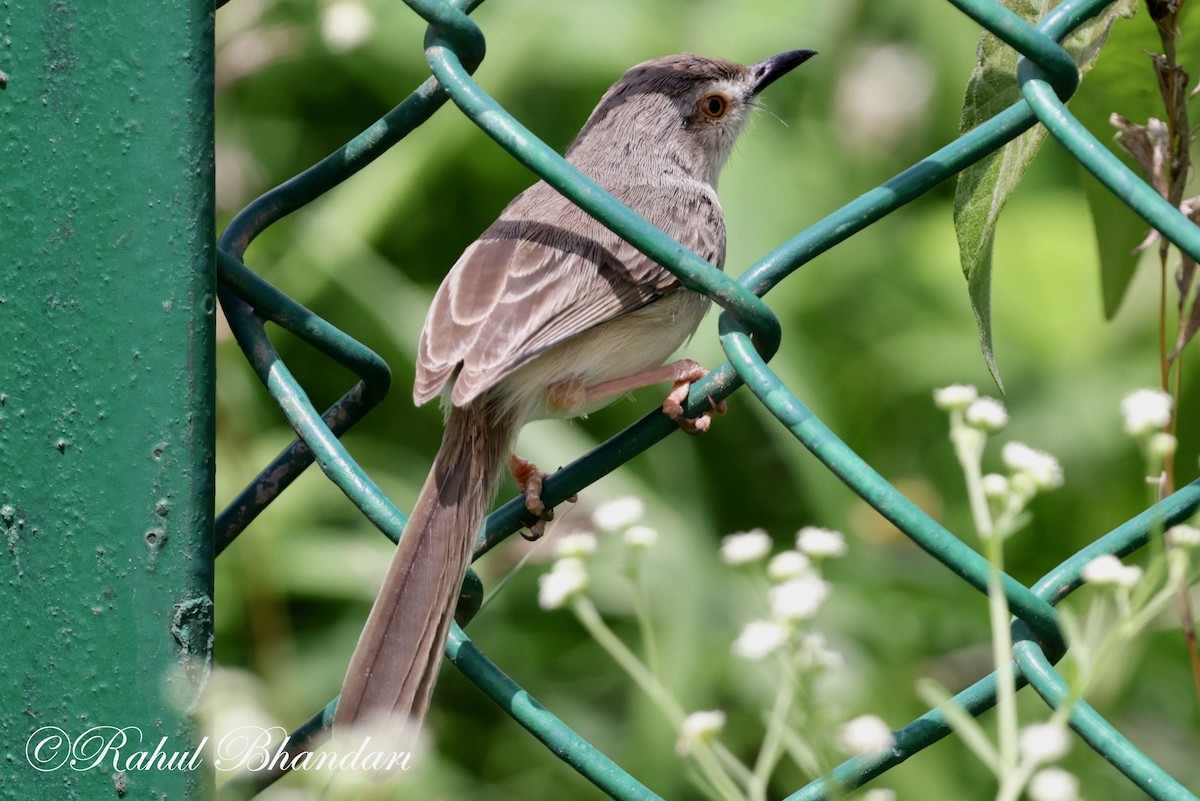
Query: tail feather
x,y
392,672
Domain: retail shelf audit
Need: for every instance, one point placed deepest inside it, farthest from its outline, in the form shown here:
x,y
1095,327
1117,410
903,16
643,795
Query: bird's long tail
x,y
394,666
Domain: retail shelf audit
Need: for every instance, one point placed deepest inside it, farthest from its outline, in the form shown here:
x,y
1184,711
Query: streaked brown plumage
x,y
549,313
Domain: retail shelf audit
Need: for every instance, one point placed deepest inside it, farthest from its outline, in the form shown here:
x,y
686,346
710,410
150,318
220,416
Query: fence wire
x,y
454,47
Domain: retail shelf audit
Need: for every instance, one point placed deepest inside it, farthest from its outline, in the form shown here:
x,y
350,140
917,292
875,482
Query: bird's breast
x,y
631,343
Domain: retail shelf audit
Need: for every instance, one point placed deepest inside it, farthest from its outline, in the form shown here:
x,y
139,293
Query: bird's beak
x,y
769,70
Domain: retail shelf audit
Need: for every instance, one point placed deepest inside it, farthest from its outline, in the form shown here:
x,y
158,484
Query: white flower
x,y
879,794
1108,569
699,727
798,598
580,544
1183,536
566,580
820,543
813,651
745,547
759,639
618,514
1162,444
345,25
1044,742
1146,411
1053,784
640,537
788,565
1038,466
866,735
987,414
995,485
955,396
703,725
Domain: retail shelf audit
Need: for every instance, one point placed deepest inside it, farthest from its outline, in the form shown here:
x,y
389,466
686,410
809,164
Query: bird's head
x,y
685,109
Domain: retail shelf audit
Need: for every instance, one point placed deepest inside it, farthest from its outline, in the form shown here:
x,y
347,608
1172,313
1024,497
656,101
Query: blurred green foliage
x,y
870,328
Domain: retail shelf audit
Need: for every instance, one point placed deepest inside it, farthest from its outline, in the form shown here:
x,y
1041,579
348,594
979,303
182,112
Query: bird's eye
x,y
714,106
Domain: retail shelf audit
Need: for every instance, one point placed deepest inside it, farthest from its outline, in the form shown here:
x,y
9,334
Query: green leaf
x,y
984,188
1118,233
1123,82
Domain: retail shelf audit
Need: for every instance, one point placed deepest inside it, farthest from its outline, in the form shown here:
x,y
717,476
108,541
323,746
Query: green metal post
x,y
106,396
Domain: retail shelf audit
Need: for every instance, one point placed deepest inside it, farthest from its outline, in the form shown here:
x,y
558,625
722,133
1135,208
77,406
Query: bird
x,y
548,313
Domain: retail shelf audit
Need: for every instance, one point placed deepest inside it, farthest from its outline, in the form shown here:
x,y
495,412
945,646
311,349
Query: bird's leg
x,y
529,481
573,396
684,373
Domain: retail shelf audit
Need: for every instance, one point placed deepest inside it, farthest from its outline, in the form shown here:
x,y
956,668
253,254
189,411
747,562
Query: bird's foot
x,y
529,481
688,372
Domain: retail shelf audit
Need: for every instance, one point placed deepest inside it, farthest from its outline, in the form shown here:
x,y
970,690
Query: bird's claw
x,y
529,481
689,373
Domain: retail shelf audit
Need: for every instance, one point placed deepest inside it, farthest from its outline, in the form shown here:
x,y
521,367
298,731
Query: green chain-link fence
x,y
749,334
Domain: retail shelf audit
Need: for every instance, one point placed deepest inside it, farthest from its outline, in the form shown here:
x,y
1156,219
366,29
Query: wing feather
x,y
545,272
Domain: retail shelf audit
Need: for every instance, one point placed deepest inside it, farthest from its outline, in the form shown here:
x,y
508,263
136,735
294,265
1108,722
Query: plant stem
x,y
706,759
968,445
589,616
641,610
1175,100
772,745
1006,696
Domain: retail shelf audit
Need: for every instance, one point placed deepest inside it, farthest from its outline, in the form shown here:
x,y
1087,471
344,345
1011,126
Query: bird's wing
x,y
534,280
